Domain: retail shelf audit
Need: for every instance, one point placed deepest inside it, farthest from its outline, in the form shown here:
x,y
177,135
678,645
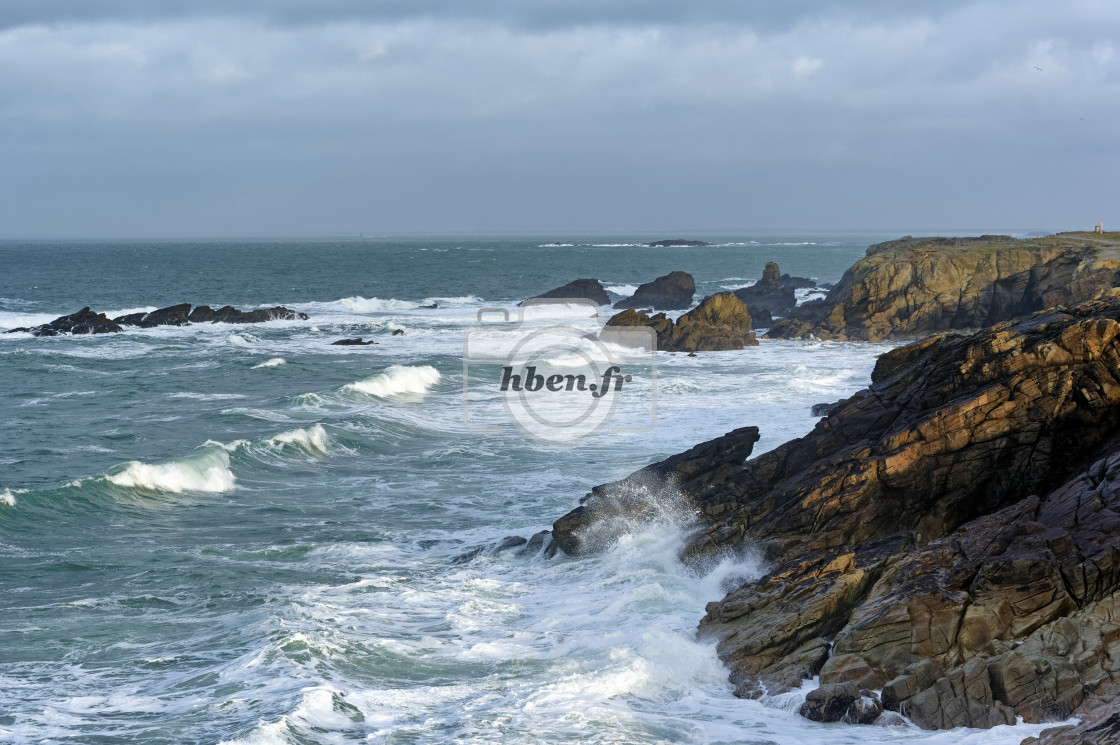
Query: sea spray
x,y
274,362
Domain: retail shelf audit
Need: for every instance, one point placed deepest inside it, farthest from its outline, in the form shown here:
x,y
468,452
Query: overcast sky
x,y
329,117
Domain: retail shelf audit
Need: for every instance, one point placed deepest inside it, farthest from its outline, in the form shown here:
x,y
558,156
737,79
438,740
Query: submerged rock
x,y
580,289
356,342
720,322
673,291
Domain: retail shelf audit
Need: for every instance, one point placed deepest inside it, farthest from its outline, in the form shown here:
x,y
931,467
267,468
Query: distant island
x,y
677,242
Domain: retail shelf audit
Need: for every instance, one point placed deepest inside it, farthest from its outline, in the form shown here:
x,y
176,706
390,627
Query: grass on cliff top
x,y
1106,245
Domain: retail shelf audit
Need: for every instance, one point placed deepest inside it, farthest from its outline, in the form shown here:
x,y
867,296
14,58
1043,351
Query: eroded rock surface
x,y
913,287
719,323
951,533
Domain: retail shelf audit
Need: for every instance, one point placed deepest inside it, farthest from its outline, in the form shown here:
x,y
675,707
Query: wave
x,y
626,290
206,470
8,498
206,396
312,439
361,304
398,379
274,362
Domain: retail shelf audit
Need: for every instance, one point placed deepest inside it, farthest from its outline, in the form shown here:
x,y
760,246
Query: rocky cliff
x,y
949,536
914,287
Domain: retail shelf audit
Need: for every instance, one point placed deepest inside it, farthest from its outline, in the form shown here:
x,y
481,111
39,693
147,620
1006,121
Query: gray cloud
x,y
337,117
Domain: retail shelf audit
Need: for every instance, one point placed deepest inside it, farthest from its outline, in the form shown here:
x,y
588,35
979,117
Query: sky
x,y
346,117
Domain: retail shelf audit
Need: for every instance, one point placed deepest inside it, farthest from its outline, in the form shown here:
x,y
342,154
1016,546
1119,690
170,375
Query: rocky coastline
x,y
86,321
944,545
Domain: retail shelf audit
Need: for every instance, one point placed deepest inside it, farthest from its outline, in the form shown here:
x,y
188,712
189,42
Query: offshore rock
x,y
719,323
913,287
677,242
770,296
580,289
85,321
356,342
229,314
674,291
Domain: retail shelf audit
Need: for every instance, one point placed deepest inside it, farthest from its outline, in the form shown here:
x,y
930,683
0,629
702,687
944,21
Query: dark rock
x,y
174,315
229,314
430,307
830,703
914,287
824,409
673,291
85,321
537,542
955,527
581,289
677,242
130,319
490,549
720,322
769,296
357,342
796,283
398,332
864,710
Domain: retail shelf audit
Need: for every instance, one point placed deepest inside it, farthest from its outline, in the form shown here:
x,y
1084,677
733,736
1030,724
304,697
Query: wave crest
x,y
206,471
274,362
312,439
398,379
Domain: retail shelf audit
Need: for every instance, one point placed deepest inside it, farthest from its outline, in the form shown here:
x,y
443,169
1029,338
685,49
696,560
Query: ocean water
x,y
241,534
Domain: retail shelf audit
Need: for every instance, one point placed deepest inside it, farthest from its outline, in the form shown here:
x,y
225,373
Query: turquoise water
x,y
239,533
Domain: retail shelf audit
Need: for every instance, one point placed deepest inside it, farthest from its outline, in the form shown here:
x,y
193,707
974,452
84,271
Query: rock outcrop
x,y
356,342
951,533
769,296
581,289
677,242
674,291
914,287
86,321
719,323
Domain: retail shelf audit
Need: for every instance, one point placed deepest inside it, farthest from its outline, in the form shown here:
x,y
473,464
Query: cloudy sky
x,y
330,117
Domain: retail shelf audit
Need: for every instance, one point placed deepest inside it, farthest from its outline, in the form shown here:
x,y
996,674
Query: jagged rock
x,y
720,322
956,527
581,289
85,321
676,242
830,703
398,332
769,296
913,287
356,342
174,315
673,291
591,526
798,283
229,314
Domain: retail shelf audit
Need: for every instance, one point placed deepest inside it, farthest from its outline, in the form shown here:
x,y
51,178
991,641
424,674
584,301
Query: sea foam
x,y
274,362
398,379
312,439
204,471
360,304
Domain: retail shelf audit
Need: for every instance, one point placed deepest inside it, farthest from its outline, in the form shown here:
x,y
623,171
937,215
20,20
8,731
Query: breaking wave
x,y
397,380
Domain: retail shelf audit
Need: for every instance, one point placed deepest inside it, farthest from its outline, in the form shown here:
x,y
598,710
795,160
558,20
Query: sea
x,y
228,533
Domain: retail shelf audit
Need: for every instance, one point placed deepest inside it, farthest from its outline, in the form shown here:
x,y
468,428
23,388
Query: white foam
x,y
313,439
206,396
204,471
11,320
8,499
397,380
360,304
626,290
274,362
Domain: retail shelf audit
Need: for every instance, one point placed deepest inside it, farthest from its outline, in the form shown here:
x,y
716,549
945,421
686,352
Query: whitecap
x,y
274,362
206,396
204,471
627,290
312,439
8,498
398,379
361,304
